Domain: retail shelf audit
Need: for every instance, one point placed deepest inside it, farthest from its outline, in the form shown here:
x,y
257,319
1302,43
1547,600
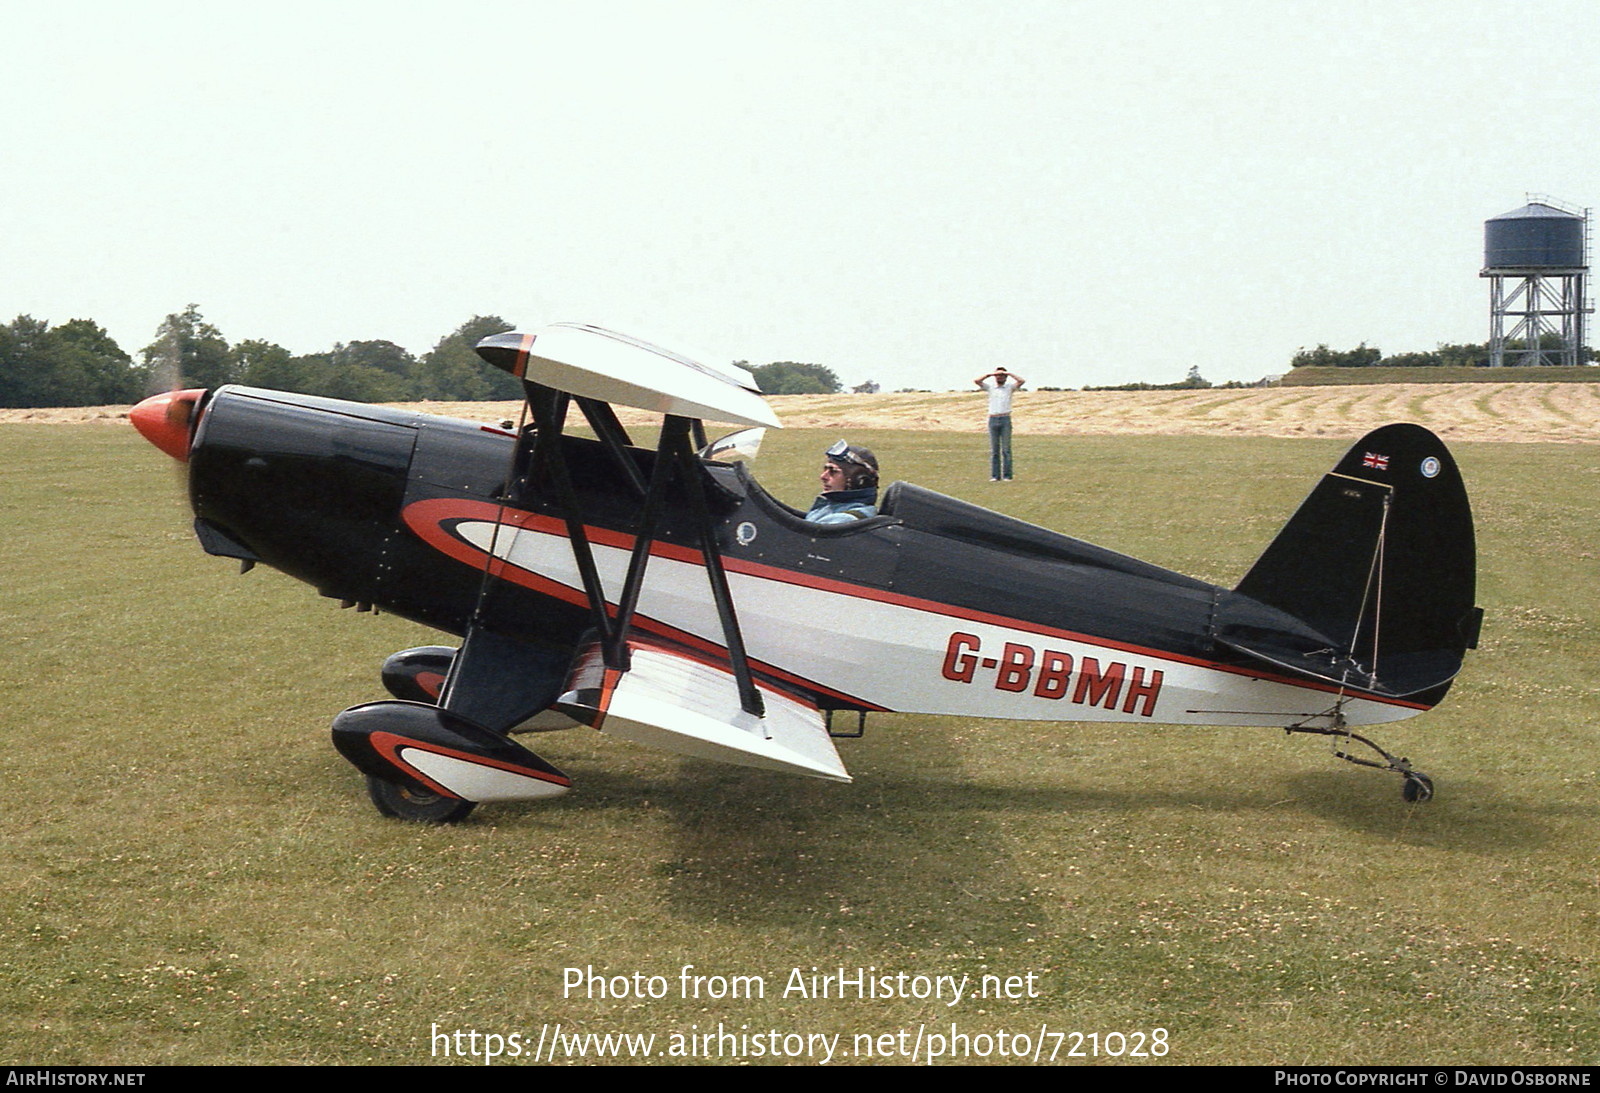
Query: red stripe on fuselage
x,y
434,522
427,518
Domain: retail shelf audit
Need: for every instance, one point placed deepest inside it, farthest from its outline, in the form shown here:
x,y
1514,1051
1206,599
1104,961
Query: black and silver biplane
x,y
663,596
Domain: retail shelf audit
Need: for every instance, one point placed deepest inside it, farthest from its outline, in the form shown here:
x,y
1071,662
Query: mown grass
x,y
190,874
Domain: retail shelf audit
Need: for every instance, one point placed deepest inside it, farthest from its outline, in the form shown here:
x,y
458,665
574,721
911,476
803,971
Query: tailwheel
x,y
415,803
1417,787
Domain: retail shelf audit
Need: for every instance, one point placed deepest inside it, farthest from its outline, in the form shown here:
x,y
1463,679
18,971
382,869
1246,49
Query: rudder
x,y
1375,572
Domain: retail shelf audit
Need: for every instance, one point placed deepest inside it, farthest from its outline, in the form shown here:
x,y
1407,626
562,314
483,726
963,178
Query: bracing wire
x,y
1372,594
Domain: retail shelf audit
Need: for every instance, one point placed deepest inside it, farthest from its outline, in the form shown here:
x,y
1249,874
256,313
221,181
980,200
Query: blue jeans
x,y
999,445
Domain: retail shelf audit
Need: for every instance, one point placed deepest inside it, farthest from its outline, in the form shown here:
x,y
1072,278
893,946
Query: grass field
x,y
190,874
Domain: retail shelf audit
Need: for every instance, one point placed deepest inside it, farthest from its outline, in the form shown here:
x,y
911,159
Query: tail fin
x,y
1371,582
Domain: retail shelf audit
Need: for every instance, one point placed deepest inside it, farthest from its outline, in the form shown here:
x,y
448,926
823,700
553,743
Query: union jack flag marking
x,y
1376,462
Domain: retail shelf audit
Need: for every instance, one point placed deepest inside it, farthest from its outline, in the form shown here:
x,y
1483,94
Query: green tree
x,y
24,379
1461,356
189,351
267,364
381,355
313,370
89,367
74,364
452,372
792,378
1411,360
1362,356
1465,356
368,371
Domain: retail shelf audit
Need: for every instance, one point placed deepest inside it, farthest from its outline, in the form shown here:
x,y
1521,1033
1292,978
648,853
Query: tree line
x,y
78,364
1445,356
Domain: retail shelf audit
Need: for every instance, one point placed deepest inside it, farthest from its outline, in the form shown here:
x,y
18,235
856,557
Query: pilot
x,y
849,486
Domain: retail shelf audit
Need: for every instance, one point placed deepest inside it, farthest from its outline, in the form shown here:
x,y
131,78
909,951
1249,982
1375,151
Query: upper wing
x,y
599,364
634,687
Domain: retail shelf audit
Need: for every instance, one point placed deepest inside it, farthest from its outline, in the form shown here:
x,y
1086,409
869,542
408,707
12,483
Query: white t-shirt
x,y
1000,394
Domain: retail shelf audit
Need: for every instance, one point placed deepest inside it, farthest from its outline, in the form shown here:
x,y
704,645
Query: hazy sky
x,y
911,192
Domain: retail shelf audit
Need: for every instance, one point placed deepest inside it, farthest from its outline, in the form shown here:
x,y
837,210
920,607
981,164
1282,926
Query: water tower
x,y
1537,262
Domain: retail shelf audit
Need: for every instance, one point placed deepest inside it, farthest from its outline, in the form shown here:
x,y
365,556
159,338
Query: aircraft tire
x,y
1417,788
415,804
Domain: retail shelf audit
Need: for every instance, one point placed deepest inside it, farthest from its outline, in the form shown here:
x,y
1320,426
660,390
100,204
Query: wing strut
x,y
603,420
694,485
676,452
675,457
655,497
549,412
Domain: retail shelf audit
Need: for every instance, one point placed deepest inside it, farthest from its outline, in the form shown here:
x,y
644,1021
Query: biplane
x,y
660,594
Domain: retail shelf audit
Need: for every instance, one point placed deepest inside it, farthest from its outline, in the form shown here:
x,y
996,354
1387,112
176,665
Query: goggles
x,y
841,453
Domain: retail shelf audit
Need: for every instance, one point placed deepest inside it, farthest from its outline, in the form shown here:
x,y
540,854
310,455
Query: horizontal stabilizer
x,y
674,702
1271,636
594,363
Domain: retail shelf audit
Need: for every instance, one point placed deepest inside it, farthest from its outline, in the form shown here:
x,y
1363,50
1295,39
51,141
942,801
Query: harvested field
x,y
1522,412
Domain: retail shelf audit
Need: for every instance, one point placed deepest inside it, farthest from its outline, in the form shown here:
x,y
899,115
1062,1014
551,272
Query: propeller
x,y
168,417
167,420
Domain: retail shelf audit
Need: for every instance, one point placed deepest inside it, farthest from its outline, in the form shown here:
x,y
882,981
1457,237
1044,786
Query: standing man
x,y
1001,385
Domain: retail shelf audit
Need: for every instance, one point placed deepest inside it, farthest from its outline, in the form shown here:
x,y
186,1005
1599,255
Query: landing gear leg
x,y
1415,786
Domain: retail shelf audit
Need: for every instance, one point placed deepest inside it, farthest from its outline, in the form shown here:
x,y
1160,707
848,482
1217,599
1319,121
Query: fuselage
x,y
935,606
